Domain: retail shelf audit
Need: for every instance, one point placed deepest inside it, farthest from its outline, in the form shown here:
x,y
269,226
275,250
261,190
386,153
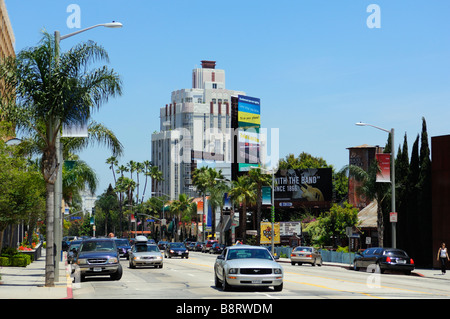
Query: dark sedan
x,y
176,250
384,259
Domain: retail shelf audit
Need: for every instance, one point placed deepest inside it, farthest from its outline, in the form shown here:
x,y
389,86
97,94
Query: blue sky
x,y
316,65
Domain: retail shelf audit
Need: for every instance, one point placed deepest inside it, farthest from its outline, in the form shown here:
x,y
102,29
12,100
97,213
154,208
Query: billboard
x,y
310,185
249,123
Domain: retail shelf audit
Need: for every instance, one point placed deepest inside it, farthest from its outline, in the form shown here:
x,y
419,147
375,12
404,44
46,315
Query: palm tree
x,y
243,192
179,207
372,190
200,181
77,174
53,89
260,179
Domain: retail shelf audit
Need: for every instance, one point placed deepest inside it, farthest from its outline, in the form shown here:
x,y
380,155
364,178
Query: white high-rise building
x,y
195,125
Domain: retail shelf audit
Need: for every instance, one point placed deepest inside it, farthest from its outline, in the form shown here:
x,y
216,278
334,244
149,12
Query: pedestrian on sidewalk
x,y
443,257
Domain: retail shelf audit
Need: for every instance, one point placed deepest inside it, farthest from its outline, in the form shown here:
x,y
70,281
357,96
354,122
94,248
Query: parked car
x,y
176,250
198,246
244,265
191,245
98,257
217,248
384,259
145,254
73,248
306,255
207,246
124,246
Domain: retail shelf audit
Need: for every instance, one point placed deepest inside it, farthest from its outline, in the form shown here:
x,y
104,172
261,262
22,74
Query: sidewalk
x,y
420,272
28,282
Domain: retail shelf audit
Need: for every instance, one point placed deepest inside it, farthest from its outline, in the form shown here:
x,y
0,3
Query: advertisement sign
x,y
384,163
266,195
266,233
290,228
249,123
303,185
248,111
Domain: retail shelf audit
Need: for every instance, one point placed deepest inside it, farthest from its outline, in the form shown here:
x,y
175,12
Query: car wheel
x,y
118,274
217,282
225,285
292,263
278,288
131,265
320,263
355,268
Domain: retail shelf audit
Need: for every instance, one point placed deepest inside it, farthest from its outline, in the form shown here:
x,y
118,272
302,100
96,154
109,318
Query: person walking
x,y
443,256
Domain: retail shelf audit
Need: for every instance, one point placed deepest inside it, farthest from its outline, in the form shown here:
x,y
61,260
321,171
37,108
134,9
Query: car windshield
x,y
98,246
303,249
177,245
249,253
122,242
146,248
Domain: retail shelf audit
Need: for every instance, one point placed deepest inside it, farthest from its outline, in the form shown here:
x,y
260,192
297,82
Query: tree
x,y
107,202
259,179
332,224
243,192
53,89
179,207
22,191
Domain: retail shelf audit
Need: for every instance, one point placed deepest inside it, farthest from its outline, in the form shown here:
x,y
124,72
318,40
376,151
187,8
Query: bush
x,y
20,261
4,261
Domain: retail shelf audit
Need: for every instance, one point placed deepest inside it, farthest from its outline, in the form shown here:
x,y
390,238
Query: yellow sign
x,y
266,233
249,118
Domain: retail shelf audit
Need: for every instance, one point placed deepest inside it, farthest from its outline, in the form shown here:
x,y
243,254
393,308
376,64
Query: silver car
x,y
244,266
307,255
144,254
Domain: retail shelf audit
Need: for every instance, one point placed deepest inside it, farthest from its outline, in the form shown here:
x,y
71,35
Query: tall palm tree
x,y
372,190
259,179
180,207
53,89
243,192
200,181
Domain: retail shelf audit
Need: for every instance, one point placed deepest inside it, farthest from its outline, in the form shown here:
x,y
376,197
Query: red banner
x,y
384,163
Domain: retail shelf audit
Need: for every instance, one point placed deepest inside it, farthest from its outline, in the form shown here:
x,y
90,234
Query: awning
x,y
225,224
368,217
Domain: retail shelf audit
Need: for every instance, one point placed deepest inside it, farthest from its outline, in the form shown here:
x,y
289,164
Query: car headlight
x,y
233,270
82,261
112,260
277,271
171,251
186,251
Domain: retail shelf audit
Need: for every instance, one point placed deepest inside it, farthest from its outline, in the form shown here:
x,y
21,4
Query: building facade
x,y
195,126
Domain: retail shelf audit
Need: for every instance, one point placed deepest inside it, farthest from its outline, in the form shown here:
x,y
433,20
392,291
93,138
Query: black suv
x,y
98,257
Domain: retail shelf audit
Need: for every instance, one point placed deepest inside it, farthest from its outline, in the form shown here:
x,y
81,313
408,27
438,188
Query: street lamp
x,y
58,182
272,171
391,131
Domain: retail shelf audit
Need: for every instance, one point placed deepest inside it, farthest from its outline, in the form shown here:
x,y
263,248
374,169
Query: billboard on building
x,y
249,123
311,185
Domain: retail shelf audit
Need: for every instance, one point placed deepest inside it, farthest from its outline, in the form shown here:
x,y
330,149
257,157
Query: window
x,y
214,85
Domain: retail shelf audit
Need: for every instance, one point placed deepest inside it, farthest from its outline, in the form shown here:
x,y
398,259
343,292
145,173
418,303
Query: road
x,y
193,278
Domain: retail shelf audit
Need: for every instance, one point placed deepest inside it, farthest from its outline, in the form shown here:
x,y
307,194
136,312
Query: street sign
x,y
393,217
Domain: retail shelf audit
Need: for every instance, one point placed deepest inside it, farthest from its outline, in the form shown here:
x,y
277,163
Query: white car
x,y
145,254
245,266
